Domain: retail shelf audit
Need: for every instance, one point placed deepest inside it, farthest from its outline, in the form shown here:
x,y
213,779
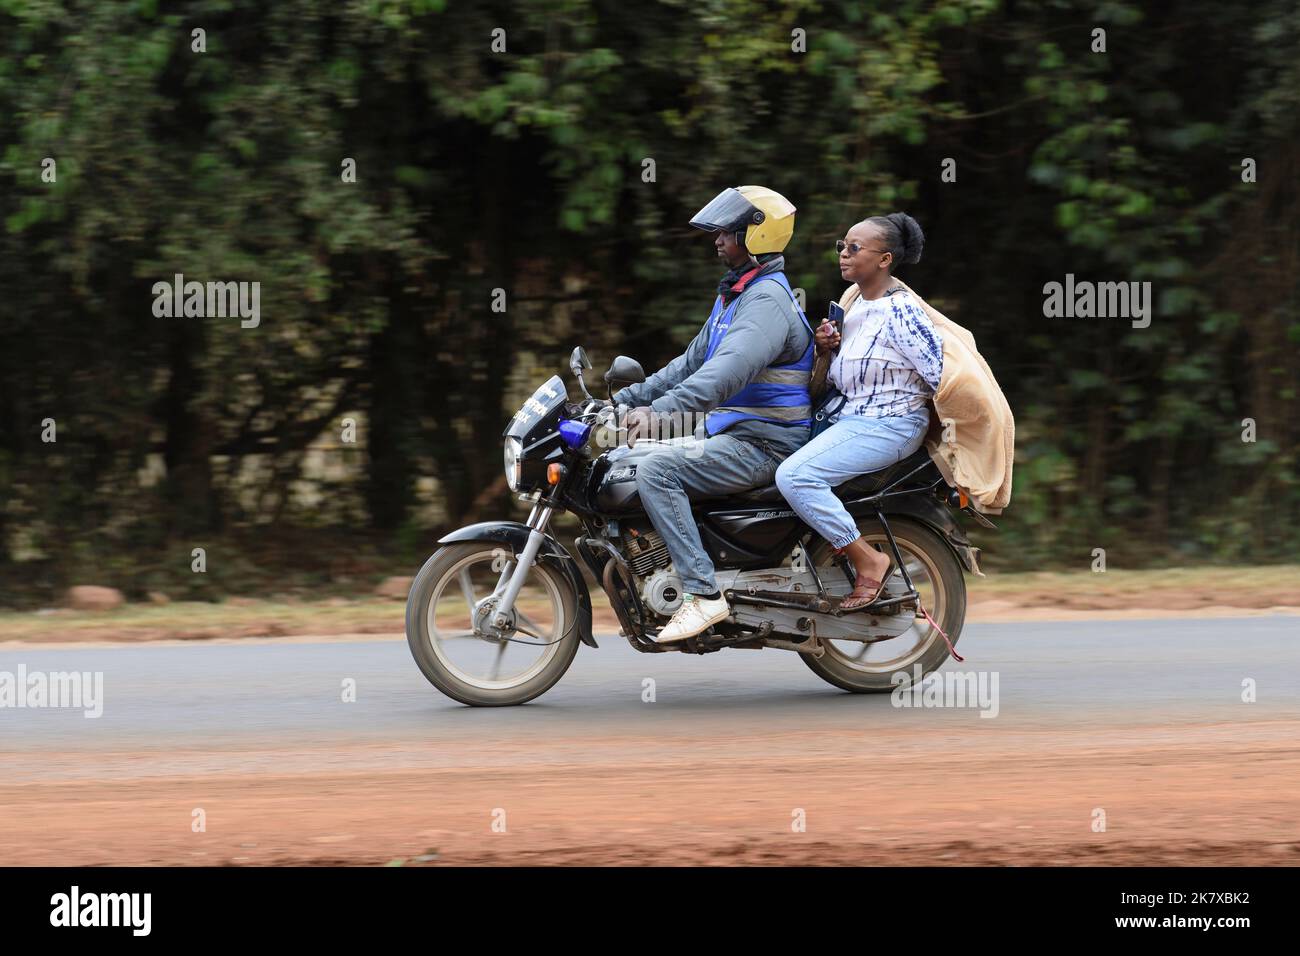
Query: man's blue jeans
x,y
854,445
710,468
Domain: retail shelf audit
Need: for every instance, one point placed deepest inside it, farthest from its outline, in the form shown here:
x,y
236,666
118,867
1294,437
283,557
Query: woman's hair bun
x,y
911,240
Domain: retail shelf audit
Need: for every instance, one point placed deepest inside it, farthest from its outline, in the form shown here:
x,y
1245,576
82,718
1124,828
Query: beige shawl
x,y
972,435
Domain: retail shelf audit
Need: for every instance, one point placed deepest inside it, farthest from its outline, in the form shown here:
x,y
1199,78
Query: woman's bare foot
x,y
871,567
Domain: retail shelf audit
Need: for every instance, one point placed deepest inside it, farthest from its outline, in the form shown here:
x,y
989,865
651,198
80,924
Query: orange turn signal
x,y
961,497
554,472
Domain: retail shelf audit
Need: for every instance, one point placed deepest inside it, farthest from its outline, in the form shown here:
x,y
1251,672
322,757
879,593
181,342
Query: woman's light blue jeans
x,y
854,445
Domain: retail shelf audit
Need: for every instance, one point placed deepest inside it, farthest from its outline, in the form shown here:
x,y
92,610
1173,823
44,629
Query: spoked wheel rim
x,y
459,600
901,652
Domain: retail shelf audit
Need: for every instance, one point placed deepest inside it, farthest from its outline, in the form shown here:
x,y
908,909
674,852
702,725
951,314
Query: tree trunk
x,y
188,490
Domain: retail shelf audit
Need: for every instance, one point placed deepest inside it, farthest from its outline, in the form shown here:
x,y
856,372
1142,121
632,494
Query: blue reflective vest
x,y
779,394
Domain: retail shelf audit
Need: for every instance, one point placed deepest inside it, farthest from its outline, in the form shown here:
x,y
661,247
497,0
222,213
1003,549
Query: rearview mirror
x,y
624,371
578,360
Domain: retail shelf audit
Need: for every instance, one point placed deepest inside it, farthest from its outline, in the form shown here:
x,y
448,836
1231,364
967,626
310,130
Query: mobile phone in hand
x,y
836,317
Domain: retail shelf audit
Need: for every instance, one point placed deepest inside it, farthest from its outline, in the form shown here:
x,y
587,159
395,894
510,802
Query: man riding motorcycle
x,y
495,615
748,369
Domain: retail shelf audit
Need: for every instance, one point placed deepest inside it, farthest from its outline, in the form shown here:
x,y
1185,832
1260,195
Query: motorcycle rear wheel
x,y
870,668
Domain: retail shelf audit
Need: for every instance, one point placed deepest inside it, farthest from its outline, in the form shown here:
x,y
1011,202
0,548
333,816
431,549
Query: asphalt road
x,y
1142,719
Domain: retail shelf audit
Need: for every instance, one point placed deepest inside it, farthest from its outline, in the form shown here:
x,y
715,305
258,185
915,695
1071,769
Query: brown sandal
x,y
863,594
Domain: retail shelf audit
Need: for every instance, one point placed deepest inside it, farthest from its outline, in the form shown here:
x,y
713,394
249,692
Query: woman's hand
x,y
826,337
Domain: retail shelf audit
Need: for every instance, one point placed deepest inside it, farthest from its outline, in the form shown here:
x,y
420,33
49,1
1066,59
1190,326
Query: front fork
x,y
513,574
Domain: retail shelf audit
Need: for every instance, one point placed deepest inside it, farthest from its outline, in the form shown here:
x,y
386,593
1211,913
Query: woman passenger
x,y
888,368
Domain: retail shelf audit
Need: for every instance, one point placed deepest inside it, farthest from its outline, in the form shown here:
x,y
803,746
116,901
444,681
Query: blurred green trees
x,y
525,170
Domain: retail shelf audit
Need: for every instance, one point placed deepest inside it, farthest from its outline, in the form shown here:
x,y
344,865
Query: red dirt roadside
x,y
917,796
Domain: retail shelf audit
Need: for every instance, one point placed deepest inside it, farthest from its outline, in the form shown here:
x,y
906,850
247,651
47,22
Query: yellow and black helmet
x,y
763,215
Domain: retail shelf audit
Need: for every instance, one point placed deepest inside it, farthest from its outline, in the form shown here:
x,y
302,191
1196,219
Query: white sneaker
x,y
695,615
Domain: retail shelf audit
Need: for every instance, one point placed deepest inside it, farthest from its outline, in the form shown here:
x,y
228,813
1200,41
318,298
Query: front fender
x,y
514,535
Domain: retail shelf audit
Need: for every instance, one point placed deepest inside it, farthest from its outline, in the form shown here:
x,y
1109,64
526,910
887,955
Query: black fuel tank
x,y
616,481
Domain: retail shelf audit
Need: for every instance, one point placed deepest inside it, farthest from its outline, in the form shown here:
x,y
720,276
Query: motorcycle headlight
x,y
514,468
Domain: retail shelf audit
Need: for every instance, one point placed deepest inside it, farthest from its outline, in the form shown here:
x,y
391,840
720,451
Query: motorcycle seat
x,y
859,487
767,494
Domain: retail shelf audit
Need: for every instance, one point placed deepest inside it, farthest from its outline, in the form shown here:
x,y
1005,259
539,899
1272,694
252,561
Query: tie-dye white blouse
x,y
890,357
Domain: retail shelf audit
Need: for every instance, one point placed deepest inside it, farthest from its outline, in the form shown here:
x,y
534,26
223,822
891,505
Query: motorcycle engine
x,y
645,551
647,557
663,592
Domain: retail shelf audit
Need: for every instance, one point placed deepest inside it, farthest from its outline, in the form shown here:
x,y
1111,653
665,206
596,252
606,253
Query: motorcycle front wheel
x,y
447,612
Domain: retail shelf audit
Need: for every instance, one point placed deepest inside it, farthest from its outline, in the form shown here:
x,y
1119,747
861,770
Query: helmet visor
x,y
728,210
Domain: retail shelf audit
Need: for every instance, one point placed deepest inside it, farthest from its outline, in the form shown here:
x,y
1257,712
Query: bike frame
x,y
632,613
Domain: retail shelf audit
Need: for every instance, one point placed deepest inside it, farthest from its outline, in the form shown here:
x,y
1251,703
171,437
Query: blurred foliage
x,y
522,170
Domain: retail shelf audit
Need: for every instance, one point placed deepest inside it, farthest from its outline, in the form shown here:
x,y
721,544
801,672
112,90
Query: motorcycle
x,y
502,589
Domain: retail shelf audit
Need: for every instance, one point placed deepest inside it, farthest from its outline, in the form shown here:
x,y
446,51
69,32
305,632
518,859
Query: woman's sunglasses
x,y
854,248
